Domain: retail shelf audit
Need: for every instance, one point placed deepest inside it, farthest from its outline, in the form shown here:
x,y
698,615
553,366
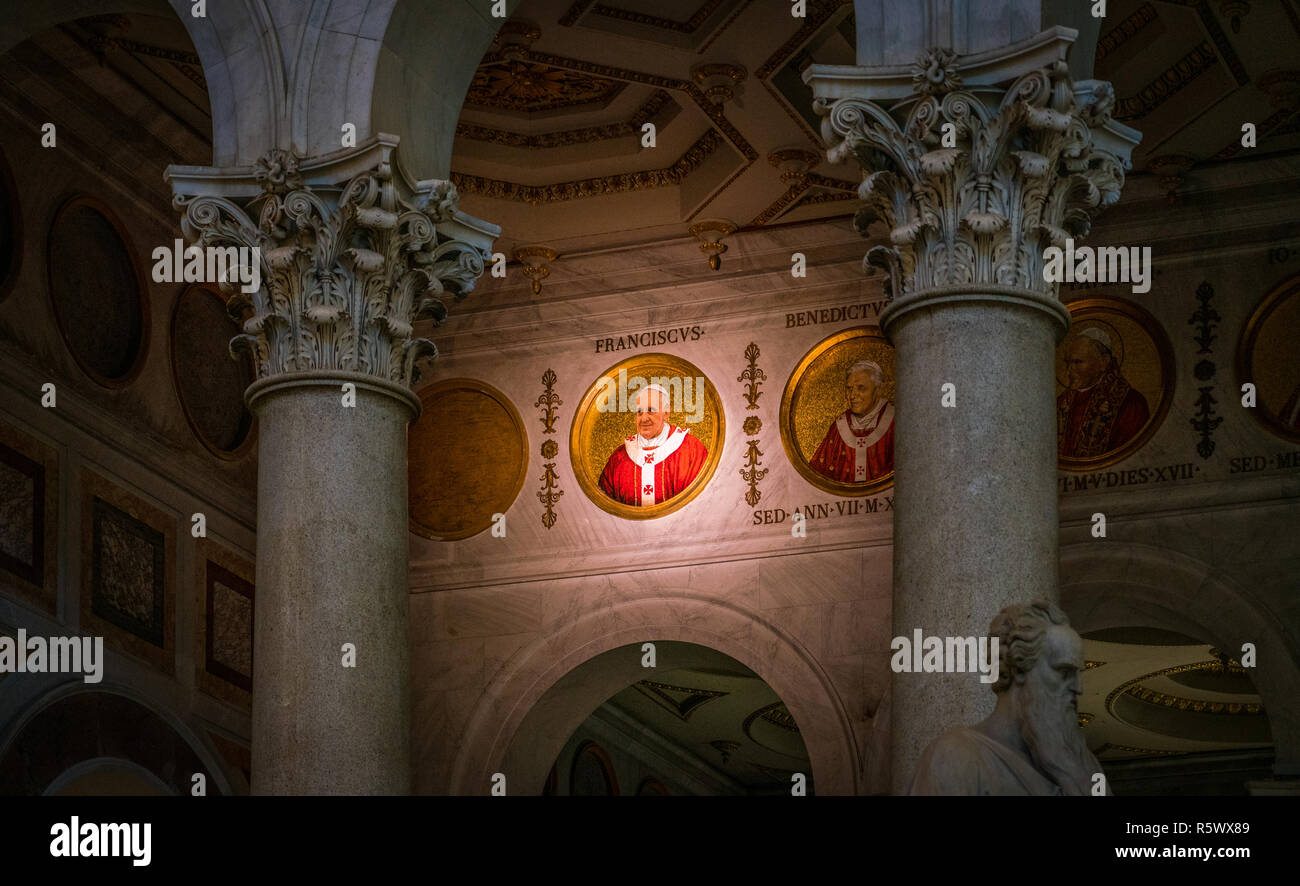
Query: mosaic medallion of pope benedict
x,y
837,413
647,436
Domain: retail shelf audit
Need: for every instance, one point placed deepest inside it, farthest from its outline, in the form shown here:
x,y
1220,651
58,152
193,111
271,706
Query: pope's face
x,y
861,392
1083,364
650,413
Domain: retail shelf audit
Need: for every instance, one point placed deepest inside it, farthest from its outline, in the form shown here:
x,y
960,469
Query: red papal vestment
x,y
856,455
647,476
1100,419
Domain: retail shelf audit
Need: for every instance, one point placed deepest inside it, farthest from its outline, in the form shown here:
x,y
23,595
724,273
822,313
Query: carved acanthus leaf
x,y
343,279
972,193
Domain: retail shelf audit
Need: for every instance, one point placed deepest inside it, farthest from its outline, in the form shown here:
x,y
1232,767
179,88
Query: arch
x,y
238,43
542,694
290,75
141,779
591,749
23,18
1128,584
74,723
432,86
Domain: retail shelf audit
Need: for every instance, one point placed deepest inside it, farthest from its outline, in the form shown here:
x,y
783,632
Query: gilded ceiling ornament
x,y
710,233
1282,88
516,37
794,164
536,261
718,80
518,85
725,747
1234,11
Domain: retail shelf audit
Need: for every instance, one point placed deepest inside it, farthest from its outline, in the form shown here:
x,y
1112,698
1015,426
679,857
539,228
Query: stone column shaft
x,y
331,570
350,255
972,184
975,503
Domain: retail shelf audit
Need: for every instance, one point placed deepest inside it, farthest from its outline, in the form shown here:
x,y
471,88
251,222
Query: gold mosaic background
x,y
819,394
1274,367
468,456
610,429
1134,348
595,435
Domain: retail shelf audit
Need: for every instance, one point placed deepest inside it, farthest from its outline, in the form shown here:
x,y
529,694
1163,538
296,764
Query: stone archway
x,y
1123,584
70,727
290,75
544,693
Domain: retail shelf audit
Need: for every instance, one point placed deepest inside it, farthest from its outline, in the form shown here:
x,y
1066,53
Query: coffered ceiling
x,y
1189,73
550,140
722,716
551,137
549,144
1151,693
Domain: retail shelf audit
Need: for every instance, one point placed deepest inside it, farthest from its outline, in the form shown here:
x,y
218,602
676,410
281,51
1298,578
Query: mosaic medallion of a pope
x,y
647,436
1114,373
837,413
1266,357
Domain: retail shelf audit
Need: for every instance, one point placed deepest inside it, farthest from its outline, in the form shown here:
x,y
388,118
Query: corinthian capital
x,y
974,182
349,257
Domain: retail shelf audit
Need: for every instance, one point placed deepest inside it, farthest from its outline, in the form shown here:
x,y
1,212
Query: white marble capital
x,y
975,165
351,253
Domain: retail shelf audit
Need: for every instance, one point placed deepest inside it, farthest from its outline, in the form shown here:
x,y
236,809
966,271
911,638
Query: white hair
x,y
870,368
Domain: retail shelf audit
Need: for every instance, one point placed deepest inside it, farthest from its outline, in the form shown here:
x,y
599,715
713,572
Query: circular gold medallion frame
x,y
596,434
468,458
1266,358
814,399
1144,358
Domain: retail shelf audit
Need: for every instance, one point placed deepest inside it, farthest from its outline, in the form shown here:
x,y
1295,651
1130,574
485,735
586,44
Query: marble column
x,y
350,256
971,180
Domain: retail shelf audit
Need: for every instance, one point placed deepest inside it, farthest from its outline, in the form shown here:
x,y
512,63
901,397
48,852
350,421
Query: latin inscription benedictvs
x,y
864,311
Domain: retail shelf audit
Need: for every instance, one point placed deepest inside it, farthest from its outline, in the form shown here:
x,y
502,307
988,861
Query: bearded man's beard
x,y
1049,724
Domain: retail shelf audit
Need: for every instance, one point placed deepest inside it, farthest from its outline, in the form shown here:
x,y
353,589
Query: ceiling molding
x,y
512,84
587,135
1217,37
1125,30
731,20
819,12
1170,82
690,26
599,186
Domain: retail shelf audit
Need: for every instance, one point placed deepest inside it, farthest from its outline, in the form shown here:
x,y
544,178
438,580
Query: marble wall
x,y
494,618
